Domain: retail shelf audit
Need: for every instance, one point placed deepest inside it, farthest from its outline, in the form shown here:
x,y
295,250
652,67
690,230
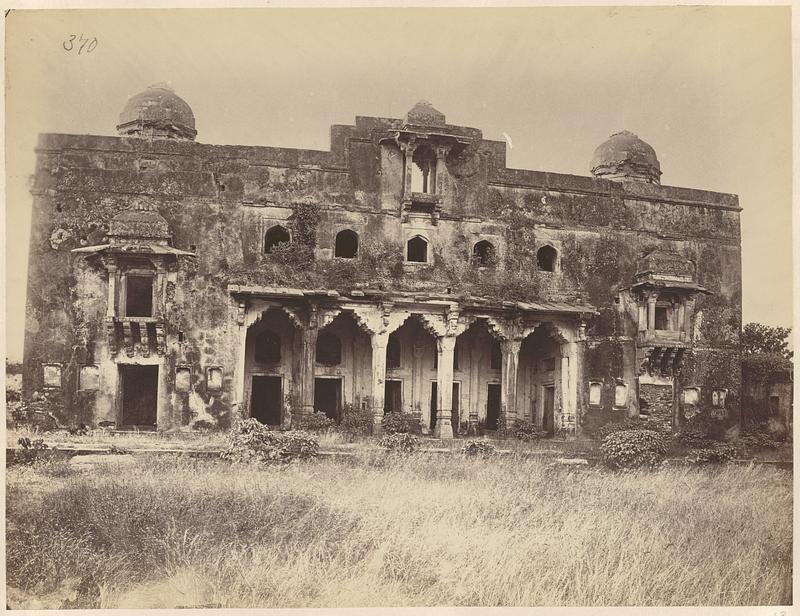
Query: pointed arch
x,y
417,249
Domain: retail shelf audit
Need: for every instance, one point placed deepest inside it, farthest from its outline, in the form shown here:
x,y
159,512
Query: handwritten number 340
x,y
80,43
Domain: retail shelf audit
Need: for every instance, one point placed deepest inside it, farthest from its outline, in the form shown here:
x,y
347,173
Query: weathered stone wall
x,y
220,200
657,401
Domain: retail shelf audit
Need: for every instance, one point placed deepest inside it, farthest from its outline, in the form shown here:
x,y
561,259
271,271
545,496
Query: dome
x,y
141,222
157,112
424,114
626,157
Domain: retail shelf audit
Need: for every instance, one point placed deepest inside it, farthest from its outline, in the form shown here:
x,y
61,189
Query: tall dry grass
x,y
391,531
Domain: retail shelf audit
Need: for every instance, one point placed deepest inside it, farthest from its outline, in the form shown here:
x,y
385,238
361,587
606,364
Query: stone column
x,y
688,314
569,385
476,354
378,342
111,309
444,386
239,411
408,151
508,391
651,311
309,349
418,399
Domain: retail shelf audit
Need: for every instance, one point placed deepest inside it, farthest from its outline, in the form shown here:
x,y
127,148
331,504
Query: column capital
x,y
446,344
511,346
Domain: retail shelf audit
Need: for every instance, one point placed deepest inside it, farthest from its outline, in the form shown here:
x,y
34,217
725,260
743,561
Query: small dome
x,y
141,222
157,112
424,114
626,157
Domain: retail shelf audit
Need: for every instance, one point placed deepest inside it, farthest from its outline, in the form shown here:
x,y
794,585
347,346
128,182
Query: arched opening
x,y
539,395
267,347
417,250
484,254
423,170
546,258
329,349
274,236
346,244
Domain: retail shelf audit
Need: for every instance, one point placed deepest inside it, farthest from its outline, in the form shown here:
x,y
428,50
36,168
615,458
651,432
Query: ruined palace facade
x,y
175,284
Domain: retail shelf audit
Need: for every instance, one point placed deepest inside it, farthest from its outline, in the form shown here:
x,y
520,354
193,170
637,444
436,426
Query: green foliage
x,y
716,454
314,422
762,368
757,338
483,449
400,442
355,421
693,439
527,431
400,423
633,448
306,221
251,441
31,451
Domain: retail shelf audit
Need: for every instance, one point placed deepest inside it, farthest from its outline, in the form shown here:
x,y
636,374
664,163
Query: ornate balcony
x,y
137,335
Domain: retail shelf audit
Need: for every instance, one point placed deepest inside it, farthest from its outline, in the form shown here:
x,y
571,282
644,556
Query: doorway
x,y
328,398
266,400
393,397
455,404
493,402
548,405
139,395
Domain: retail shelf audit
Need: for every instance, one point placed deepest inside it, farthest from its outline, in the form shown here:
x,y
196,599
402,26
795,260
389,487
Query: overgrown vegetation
x,y
401,442
400,423
634,448
251,441
164,532
482,449
355,422
316,421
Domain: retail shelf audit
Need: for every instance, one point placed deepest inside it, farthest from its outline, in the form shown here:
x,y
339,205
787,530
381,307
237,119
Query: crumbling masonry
x,y
175,284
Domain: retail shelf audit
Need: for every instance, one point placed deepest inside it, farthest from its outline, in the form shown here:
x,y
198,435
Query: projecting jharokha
x,y
406,269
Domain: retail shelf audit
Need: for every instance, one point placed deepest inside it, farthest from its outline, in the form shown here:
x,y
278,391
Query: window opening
x,y
546,259
483,254
274,236
423,171
346,244
418,250
138,296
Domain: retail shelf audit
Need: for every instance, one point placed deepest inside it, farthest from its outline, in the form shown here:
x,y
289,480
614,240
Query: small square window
x,y
595,393
620,395
718,398
52,375
214,378
691,396
89,378
183,379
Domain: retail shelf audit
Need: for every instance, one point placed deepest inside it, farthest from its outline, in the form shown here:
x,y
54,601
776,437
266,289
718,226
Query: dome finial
x,y
157,113
625,157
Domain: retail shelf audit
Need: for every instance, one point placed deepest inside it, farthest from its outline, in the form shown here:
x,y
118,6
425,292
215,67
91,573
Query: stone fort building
x,y
407,269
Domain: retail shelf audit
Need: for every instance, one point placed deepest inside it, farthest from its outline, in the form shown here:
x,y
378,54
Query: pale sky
x,y
708,87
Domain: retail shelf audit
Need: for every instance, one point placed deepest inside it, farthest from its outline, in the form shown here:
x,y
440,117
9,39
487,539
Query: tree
x,y
757,338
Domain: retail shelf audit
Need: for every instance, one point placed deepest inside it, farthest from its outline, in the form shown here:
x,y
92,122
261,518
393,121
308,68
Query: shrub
x,y
251,441
694,439
718,453
40,410
484,449
623,426
314,422
527,431
355,421
632,448
401,442
30,451
400,423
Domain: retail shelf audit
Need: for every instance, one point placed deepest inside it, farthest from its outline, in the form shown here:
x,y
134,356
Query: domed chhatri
x,y
142,222
626,157
157,113
424,114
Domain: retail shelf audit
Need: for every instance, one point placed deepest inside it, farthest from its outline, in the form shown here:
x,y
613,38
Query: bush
x,y
719,453
40,410
400,423
694,439
355,421
527,431
315,422
251,441
623,426
632,448
401,442
484,449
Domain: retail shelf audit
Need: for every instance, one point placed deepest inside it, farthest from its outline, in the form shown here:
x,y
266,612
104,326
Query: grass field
x,y
384,530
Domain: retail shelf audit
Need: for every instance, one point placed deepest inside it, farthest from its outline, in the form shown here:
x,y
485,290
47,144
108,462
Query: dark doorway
x,y
548,401
139,296
393,397
328,397
266,400
346,246
493,406
435,405
139,395
417,250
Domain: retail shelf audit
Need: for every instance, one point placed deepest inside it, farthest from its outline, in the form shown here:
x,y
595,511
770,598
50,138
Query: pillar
x,y
475,392
378,342
445,347
308,355
688,315
239,411
508,391
418,398
569,385
112,291
651,311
